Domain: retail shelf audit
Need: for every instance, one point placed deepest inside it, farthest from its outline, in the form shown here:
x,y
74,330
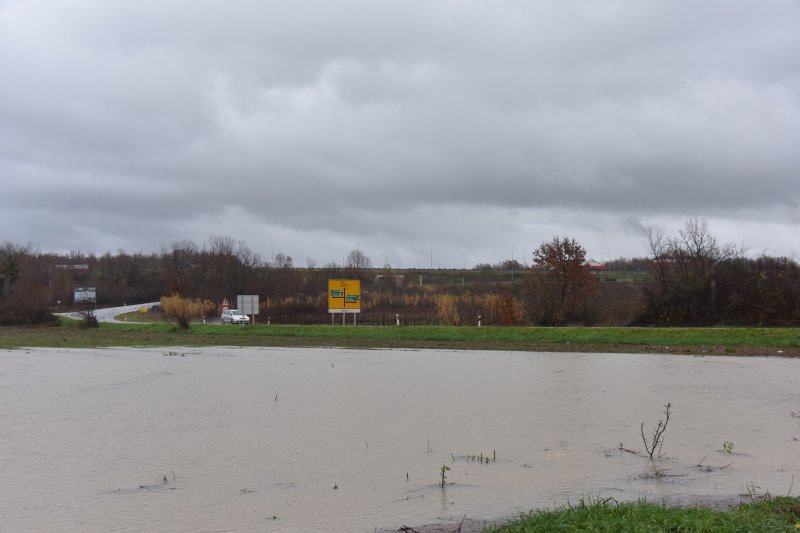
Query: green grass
x,y
752,341
777,514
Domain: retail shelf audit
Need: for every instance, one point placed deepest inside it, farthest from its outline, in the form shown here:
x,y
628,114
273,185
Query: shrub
x,y
182,309
25,309
447,311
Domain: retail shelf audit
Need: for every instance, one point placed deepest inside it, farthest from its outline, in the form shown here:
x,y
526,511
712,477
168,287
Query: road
x,y
109,314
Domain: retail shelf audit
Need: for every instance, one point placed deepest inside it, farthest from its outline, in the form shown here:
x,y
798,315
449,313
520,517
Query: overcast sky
x,y
418,131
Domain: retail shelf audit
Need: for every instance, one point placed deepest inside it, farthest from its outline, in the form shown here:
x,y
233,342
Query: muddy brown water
x,y
233,439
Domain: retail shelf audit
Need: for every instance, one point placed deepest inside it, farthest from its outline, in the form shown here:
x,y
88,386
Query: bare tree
x,y
684,271
176,267
357,265
699,250
656,442
358,261
228,266
282,261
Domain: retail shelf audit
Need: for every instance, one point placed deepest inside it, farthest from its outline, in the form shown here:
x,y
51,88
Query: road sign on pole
x,y
84,294
344,296
247,304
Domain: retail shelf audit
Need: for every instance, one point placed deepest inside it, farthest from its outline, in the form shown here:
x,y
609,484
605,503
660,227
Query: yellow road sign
x,y
344,296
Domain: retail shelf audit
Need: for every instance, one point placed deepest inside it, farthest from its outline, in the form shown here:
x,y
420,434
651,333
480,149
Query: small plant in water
x,y
727,446
444,470
655,472
756,494
654,444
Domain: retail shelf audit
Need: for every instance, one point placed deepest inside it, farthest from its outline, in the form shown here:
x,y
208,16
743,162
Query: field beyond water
x,y
68,333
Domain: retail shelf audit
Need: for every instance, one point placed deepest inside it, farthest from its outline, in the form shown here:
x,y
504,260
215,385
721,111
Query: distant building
x,y
398,279
593,266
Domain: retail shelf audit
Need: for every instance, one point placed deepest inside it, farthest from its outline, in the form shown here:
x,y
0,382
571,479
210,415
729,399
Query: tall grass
x,y
503,338
778,514
176,305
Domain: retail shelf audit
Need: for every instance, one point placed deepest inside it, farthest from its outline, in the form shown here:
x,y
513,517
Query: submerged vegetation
x,y
654,444
443,472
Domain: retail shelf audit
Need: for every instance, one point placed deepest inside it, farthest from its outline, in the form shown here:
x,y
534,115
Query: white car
x,y
233,316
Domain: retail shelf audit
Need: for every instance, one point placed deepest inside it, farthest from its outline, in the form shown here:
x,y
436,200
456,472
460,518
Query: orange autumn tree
x,y
560,286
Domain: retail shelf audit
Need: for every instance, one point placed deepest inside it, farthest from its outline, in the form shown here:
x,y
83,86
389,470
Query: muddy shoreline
x,y
469,525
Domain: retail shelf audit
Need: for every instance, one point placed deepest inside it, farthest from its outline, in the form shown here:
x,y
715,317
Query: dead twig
x,y
653,446
622,448
756,494
709,468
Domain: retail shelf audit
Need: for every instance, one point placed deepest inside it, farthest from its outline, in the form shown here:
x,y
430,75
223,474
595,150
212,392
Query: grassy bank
x,y
742,341
777,514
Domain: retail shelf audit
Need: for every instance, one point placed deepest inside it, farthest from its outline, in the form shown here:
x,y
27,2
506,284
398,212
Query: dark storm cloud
x,y
472,127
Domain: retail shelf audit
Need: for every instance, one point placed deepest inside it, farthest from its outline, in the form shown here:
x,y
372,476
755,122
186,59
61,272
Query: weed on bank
x,y
775,514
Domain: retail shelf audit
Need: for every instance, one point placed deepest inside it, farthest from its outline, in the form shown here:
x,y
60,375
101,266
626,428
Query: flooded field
x,y
231,439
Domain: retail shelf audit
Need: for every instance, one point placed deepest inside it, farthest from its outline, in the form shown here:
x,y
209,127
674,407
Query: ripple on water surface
x,y
231,439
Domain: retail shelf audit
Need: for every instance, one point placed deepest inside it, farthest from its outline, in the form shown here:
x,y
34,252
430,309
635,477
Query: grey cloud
x,y
356,120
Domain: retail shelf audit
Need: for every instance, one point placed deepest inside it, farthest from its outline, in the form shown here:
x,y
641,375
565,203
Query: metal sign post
x,y
247,304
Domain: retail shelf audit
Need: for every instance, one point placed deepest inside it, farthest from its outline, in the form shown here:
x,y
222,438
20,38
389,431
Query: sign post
x,y
84,294
247,304
344,296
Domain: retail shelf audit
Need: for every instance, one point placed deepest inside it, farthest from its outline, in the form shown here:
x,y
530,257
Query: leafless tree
x,y
282,261
684,270
654,444
176,267
358,261
228,266
357,265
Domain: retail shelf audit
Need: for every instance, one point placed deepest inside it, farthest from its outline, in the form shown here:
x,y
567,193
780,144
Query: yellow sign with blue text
x,y
344,296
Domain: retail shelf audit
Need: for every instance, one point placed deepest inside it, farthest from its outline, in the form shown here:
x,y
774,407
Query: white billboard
x,y
85,294
247,304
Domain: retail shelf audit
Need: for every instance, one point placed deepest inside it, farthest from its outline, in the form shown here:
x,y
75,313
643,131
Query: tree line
x,y
687,279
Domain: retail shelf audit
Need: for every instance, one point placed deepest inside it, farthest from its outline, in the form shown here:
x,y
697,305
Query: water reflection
x,y
256,439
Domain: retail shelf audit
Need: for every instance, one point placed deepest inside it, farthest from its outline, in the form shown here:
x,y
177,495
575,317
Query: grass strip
x,y
775,514
755,341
